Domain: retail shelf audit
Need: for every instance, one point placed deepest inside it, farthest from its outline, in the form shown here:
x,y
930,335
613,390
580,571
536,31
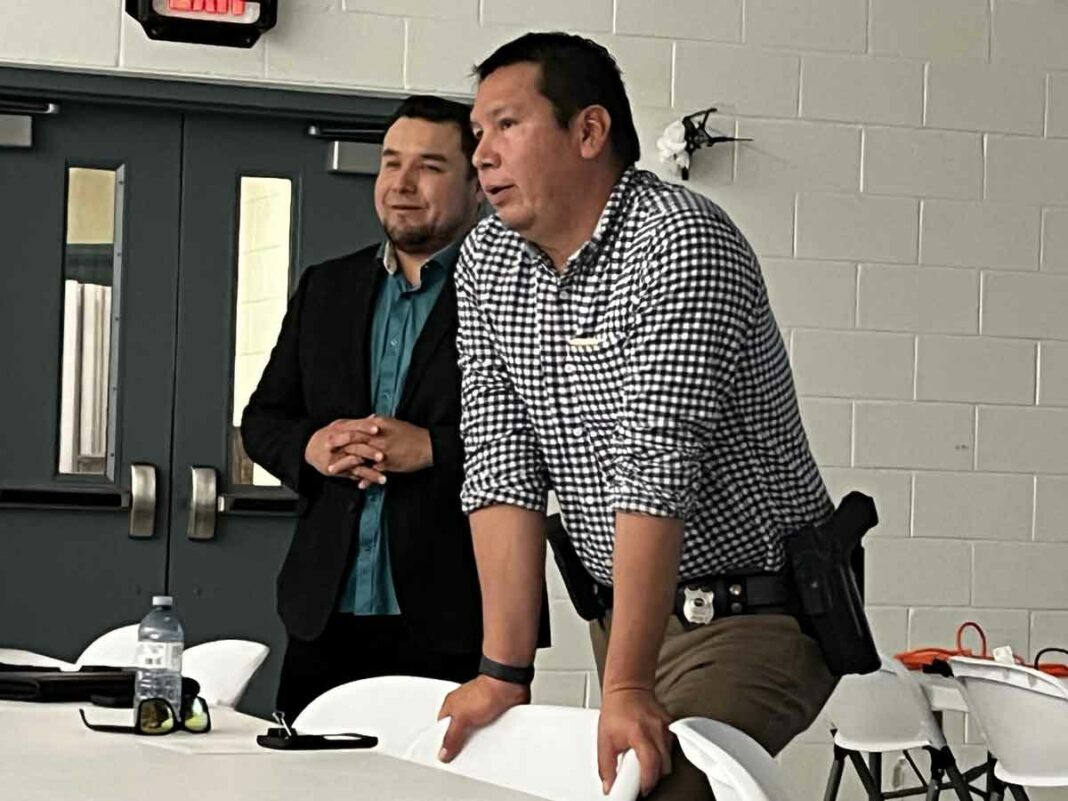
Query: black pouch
x,y
586,595
821,559
281,740
111,686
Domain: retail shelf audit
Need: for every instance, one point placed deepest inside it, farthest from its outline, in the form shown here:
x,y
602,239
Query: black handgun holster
x,y
821,560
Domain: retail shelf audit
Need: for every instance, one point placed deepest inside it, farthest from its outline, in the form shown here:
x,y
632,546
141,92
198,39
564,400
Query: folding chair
x,y
738,768
547,751
223,668
395,709
886,712
1023,713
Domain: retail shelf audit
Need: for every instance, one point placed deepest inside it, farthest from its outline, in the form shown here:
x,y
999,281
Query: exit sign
x,y
227,23
225,10
210,6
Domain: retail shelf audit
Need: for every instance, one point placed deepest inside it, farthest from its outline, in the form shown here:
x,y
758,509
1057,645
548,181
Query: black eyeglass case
x,y
112,686
281,740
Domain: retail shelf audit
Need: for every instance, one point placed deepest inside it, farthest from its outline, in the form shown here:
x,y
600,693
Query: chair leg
x,y
964,792
943,762
1018,792
872,785
834,781
934,784
875,764
995,788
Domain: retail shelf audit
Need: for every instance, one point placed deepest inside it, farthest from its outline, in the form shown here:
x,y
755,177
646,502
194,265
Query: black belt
x,y
700,601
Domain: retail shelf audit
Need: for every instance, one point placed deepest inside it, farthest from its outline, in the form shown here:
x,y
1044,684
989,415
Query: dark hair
x,y
575,73
438,109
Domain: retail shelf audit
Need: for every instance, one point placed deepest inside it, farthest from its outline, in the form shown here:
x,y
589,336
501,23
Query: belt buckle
x,y
698,606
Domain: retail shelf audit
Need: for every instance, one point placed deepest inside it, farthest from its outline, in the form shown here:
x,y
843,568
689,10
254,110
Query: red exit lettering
x,y
234,7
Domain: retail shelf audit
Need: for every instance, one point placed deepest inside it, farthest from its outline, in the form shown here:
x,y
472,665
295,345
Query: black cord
x,y
1038,656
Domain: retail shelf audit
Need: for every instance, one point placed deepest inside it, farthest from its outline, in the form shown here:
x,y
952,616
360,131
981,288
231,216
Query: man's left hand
x,y
633,718
393,446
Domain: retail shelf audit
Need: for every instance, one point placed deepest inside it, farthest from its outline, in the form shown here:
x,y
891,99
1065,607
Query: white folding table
x,y
46,754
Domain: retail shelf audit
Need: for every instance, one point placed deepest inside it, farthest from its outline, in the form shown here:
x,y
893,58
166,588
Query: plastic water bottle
x,y
160,640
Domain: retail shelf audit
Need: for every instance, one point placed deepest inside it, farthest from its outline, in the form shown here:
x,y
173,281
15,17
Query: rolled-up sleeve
x,y
503,463
701,288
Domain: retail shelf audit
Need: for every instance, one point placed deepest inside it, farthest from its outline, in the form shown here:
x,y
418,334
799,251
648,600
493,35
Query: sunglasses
x,y
156,716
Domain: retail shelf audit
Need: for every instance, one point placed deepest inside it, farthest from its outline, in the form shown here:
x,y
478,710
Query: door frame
x,y
359,116
183,95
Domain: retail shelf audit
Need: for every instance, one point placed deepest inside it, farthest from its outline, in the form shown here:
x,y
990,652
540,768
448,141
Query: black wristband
x,y
508,673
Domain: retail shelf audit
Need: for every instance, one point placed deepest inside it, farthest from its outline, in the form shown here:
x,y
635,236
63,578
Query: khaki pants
x,y
759,673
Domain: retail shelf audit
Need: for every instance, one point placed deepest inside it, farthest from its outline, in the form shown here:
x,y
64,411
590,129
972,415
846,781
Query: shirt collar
x,y
445,259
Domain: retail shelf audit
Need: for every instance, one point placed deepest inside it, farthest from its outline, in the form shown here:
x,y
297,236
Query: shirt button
x,y
393,343
352,507
569,368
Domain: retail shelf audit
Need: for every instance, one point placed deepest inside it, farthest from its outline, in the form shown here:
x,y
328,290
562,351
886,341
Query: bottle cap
x,y
162,600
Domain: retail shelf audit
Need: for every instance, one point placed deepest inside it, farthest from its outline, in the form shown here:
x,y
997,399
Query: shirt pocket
x,y
595,366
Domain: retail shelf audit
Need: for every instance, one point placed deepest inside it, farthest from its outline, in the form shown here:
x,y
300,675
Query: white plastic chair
x,y
737,766
115,648
548,751
885,712
223,668
395,709
1023,713
18,656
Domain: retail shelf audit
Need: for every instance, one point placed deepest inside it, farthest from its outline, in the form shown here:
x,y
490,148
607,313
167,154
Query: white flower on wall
x,y
672,146
682,137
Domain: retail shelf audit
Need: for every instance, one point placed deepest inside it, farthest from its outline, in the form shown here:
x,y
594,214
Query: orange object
x,y
920,657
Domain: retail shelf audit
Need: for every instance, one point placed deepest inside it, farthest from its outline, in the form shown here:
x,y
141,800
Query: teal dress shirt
x,y
400,312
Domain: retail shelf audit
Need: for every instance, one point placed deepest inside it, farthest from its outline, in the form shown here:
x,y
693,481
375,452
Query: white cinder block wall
x,y
907,190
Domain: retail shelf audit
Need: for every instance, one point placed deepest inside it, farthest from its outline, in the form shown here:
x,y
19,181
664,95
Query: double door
x,y
146,256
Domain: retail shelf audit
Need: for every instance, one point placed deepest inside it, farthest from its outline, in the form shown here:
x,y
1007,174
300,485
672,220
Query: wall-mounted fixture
x,y
227,23
682,138
16,119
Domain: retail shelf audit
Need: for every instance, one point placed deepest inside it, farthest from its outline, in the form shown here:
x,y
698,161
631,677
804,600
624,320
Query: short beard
x,y
413,239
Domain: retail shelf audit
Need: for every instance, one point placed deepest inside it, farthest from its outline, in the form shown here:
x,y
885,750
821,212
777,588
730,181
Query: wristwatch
x,y
508,673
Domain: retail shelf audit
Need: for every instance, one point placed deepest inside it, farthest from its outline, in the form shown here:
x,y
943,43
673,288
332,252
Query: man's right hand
x,y
319,452
477,703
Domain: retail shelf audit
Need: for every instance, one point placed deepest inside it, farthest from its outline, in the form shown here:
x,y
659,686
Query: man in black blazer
x,y
358,411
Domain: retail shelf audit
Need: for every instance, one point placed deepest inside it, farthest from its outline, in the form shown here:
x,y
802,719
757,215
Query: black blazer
x,y
319,372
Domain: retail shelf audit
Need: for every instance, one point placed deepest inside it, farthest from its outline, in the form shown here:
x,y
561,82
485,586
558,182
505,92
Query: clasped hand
x,y
364,450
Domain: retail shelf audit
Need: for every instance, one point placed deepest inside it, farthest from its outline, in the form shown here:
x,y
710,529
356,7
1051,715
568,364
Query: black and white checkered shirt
x,y
649,376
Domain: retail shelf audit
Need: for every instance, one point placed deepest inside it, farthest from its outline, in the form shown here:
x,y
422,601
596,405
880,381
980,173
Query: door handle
x,y
16,122
259,501
103,499
202,503
142,500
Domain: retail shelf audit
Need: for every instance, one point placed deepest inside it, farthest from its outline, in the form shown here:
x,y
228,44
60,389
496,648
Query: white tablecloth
x,y
46,754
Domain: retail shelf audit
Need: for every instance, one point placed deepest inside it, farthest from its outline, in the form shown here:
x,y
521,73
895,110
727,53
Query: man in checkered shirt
x,y
617,346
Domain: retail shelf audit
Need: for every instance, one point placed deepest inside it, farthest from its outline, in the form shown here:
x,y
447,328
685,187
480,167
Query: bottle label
x,y
159,656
